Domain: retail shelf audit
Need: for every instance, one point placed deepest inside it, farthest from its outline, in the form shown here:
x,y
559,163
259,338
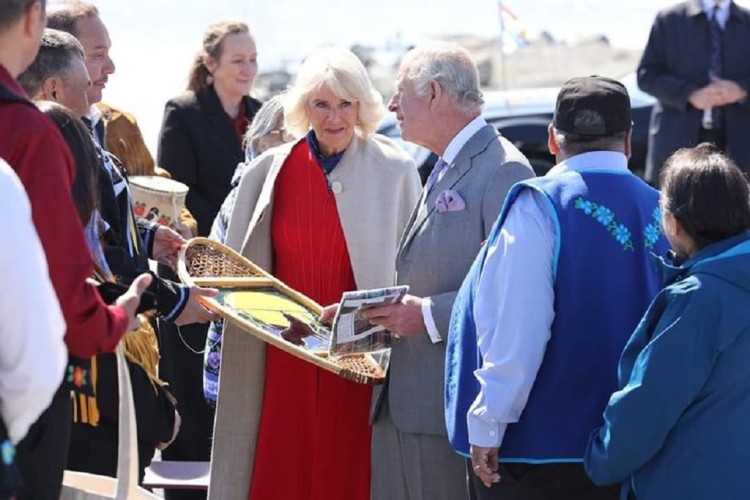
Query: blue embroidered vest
x,y
607,225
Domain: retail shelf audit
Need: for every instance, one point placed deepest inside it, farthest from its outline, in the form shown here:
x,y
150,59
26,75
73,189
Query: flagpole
x,y
503,68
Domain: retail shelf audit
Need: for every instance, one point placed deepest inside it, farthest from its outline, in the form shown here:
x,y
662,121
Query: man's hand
x,y
183,229
194,311
484,464
706,97
403,319
717,93
167,244
329,312
728,92
129,300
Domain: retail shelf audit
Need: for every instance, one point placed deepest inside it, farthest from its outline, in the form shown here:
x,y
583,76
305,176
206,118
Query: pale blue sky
x,y
154,41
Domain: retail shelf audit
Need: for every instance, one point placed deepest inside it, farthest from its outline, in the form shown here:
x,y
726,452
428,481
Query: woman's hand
x,y
194,311
329,312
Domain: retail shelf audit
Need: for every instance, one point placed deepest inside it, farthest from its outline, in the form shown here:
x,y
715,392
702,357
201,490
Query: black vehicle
x,y
522,116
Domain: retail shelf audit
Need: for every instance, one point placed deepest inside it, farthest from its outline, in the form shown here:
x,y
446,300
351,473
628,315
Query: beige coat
x,y
379,187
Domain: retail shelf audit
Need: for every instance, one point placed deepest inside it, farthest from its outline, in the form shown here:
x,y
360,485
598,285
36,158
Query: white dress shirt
x,y
514,305
33,355
449,156
95,116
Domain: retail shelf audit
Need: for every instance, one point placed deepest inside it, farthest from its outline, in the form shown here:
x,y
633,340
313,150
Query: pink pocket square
x,y
449,201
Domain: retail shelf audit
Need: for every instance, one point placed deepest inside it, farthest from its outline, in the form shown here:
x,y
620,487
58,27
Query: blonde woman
x,y
323,214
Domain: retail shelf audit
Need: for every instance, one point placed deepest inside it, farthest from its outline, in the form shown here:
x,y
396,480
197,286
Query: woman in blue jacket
x,y
679,427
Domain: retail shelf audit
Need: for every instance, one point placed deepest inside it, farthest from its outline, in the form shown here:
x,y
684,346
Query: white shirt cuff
x,y
488,434
429,321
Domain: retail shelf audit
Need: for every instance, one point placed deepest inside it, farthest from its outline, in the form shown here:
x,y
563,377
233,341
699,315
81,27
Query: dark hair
x,y
56,53
12,10
707,193
213,47
81,144
64,16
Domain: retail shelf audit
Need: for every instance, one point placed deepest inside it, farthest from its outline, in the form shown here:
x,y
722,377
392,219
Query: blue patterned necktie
x,y
715,66
435,175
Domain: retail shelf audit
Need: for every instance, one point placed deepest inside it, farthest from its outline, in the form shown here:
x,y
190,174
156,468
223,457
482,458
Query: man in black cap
x,y
550,302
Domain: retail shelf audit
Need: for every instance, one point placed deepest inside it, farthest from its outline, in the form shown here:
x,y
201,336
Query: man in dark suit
x,y
438,104
695,65
116,130
127,251
59,60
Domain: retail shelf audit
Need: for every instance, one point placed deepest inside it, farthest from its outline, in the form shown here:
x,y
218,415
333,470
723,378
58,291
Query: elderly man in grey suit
x,y
438,104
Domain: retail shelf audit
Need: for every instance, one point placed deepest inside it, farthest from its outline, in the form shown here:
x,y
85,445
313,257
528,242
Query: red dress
x,y
314,436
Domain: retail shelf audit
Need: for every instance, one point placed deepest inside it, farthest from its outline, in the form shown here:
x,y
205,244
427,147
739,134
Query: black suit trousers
x,y
558,481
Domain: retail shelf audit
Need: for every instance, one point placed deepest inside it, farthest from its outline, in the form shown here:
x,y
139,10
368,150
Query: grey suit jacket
x,y
435,253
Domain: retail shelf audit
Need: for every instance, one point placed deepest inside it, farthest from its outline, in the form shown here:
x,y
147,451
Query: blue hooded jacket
x,y
679,427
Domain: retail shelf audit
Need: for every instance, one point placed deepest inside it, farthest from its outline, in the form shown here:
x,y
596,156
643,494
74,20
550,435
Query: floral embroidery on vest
x,y
652,233
606,218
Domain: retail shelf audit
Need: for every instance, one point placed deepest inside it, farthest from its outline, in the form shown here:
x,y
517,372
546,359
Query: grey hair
x,y
269,117
576,144
56,52
12,10
451,66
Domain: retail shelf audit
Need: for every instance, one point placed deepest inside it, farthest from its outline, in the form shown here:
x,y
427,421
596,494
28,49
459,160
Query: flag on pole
x,y
513,33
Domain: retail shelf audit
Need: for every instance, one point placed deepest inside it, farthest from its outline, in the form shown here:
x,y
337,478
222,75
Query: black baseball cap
x,y
592,107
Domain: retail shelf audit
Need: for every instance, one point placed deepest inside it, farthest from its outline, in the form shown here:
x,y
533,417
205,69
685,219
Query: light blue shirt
x,y
449,157
722,15
514,306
